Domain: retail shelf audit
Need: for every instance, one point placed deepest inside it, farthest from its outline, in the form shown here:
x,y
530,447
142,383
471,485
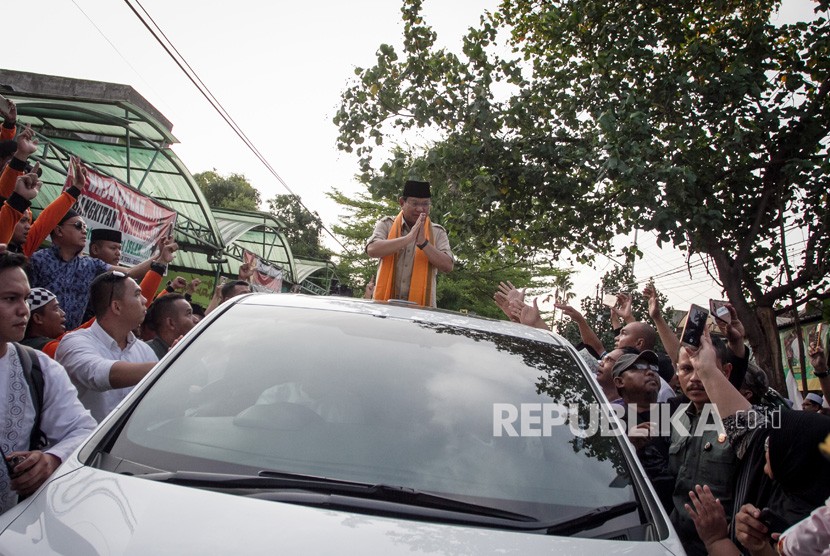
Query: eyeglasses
x,y
421,204
78,225
642,367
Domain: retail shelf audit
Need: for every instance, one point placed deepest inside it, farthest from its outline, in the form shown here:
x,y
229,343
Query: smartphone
x,y
695,324
720,311
774,522
609,300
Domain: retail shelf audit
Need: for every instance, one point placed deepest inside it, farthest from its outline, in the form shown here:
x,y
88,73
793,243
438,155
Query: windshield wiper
x,y
277,480
594,518
265,479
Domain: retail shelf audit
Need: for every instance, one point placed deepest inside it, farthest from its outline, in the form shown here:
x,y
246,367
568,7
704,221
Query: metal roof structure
x,y
115,130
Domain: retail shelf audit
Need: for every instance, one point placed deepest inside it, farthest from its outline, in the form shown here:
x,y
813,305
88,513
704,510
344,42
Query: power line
x,y
191,74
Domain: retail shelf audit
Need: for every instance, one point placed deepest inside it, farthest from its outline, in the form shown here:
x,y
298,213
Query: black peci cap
x,y
417,189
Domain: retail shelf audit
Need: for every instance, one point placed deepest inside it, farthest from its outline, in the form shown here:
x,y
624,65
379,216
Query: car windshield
x,y
374,400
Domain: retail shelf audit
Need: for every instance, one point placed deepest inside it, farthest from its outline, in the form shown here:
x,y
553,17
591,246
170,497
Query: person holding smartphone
x,y
62,418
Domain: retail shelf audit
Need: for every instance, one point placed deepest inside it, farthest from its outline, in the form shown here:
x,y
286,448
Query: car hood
x,y
89,511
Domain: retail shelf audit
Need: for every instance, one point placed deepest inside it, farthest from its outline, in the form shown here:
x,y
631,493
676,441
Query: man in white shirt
x,y
63,420
106,360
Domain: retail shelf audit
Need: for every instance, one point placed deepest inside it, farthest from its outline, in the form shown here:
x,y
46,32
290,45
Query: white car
x,y
287,424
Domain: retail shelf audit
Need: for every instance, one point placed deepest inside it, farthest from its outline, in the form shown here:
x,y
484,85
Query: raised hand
x,y
28,185
192,285
27,144
178,283
418,231
568,311
708,515
817,357
168,251
650,293
529,314
80,176
246,270
8,111
623,309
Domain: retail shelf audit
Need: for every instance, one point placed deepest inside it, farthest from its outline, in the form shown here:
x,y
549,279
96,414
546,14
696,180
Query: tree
x,y
232,192
618,279
701,122
302,228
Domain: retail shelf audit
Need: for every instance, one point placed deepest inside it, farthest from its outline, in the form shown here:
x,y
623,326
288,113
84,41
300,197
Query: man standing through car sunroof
x,y
412,249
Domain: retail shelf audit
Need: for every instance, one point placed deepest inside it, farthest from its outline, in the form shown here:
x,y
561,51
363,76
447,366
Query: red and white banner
x,y
265,275
107,203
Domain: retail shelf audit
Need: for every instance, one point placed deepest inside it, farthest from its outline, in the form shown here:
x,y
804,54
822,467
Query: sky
x,y
278,68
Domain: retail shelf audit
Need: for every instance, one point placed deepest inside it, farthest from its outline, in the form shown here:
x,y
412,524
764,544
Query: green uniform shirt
x,y
705,459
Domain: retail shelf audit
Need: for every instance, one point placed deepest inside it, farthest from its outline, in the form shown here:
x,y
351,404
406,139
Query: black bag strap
x,y
34,378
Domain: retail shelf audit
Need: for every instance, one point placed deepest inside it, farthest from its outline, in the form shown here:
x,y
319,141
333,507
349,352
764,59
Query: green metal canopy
x,y
113,129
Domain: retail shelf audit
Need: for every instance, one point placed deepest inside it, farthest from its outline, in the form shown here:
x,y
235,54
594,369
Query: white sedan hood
x,y
89,511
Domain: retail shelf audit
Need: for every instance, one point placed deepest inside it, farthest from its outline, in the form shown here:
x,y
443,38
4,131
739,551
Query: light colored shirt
x,y
88,355
406,256
808,537
63,419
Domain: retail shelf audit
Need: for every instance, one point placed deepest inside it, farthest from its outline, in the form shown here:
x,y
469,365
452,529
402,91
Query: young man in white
x,y
63,420
106,360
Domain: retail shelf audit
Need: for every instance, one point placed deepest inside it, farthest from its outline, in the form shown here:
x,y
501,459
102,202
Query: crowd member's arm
x,y
65,423
586,333
369,291
150,284
735,334
818,360
502,297
26,146
709,518
722,393
190,289
177,283
57,209
26,188
86,366
624,310
165,256
667,336
216,300
529,315
9,128
246,272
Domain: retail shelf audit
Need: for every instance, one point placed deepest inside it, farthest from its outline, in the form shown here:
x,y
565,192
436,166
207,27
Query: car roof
x,y
403,310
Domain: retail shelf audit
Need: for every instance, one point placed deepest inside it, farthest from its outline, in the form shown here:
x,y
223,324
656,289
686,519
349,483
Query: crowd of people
x,y
77,331
758,481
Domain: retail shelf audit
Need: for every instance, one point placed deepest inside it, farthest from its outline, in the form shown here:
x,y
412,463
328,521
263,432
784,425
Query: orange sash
x,y
420,283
